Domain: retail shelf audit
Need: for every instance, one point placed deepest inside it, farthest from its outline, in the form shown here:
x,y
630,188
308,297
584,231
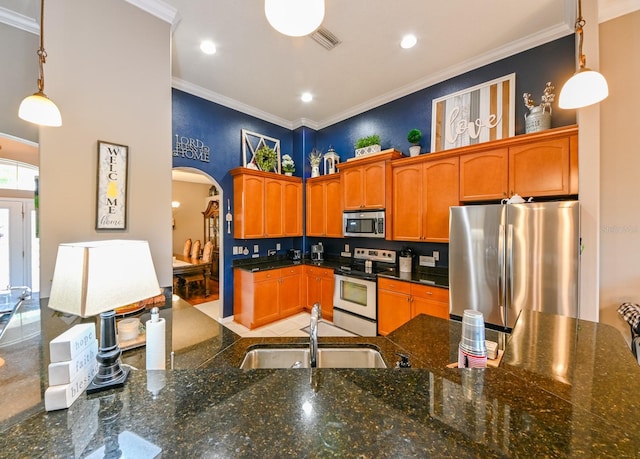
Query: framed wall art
x,y
111,201
474,115
260,152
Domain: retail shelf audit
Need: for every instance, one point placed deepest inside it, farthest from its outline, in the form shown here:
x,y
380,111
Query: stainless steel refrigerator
x,y
506,257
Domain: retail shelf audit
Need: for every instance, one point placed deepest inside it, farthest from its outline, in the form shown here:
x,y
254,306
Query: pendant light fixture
x,y
38,108
295,18
586,87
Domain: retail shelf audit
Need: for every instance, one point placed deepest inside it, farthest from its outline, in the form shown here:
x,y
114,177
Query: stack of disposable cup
x,y
472,351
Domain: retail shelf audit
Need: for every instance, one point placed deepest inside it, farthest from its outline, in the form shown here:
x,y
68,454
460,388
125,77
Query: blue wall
x,y
219,128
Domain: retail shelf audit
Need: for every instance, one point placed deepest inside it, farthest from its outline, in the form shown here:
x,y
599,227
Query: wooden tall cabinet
x,y
324,206
423,191
366,181
266,205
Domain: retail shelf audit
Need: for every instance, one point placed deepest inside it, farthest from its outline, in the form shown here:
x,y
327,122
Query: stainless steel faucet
x,y
316,315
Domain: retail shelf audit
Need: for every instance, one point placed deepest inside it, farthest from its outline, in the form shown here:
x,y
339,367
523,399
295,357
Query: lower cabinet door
x,y
265,302
394,310
289,289
326,296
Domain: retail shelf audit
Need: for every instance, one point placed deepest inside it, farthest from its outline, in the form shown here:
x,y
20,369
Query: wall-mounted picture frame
x,y
255,147
111,200
474,115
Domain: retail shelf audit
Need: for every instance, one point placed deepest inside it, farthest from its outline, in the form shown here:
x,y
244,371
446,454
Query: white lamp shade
x,y
39,109
93,277
587,87
295,18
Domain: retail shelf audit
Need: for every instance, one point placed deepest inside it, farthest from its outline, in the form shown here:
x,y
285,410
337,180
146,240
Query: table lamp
x,y
98,277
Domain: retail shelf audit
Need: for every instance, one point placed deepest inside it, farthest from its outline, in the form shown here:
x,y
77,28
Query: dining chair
x,y
198,278
195,249
186,250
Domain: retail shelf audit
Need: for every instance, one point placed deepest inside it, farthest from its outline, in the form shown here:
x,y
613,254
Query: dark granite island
x,y
565,388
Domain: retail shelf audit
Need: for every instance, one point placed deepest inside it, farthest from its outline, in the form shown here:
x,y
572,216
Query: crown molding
x,y
611,9
19,21
159,9
228,102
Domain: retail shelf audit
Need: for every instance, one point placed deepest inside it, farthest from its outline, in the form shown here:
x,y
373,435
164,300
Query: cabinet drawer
x,y
430,293
394,285
289,271
260,276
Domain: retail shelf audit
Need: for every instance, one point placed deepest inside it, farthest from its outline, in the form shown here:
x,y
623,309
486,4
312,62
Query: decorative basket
x,y
368,150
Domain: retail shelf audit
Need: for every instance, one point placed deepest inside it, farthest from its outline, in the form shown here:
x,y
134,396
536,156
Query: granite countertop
x,y
437,277
565,388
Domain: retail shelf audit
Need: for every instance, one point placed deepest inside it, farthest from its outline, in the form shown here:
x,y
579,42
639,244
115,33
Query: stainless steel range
x,y
355,293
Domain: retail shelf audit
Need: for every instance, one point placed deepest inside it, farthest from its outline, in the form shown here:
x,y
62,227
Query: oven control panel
x,y
385,256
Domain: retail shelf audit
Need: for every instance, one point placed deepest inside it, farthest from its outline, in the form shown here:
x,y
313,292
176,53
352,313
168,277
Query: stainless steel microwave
x,y
363,223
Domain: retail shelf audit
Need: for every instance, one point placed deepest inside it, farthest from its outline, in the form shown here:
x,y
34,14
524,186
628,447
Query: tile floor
x,y
291,326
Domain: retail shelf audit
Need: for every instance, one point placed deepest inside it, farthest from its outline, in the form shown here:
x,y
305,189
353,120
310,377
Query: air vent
x,y
325,38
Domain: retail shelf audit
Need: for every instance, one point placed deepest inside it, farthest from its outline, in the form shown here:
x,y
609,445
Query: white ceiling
x,y
263,73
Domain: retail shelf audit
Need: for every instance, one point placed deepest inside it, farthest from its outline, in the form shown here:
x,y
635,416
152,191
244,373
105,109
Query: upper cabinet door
x,y
407,202
333,208
315,208
292,209
352,188
541,168
248,206
484,175
274,205
374,186
440,185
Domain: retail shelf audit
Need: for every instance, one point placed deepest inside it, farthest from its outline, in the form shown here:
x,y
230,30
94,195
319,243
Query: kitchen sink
x,y
328,357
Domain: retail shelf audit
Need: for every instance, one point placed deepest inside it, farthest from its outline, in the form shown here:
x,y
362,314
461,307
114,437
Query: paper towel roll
x,y
156,343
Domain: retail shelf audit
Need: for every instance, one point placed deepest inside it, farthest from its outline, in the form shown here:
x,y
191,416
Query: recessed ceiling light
x,y
208,47
408,41
306,97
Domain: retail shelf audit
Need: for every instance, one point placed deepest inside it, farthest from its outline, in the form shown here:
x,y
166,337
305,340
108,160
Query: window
x,y
15,175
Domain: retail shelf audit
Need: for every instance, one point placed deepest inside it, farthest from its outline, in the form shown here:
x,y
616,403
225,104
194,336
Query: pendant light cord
x,y
42,54
580,23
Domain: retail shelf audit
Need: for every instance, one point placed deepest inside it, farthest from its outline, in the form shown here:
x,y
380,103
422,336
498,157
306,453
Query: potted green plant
x,y
414,137
288,166
367,145
266,158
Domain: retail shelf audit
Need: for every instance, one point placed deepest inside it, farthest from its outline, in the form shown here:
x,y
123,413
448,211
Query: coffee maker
x,y
317,252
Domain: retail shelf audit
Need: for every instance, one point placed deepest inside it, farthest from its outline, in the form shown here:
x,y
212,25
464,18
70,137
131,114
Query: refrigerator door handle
x,y
501,272
509,267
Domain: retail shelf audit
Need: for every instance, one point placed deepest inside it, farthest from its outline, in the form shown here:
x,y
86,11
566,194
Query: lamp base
x,y
111,375
98,385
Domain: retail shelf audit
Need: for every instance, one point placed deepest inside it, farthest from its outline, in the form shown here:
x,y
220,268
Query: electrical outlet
x,y
436,255
427,261
278,246
271,252
346,248
235,250
256,248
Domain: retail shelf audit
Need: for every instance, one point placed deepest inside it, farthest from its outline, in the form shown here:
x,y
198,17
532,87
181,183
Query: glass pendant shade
x,y
295,18
586,87
39,109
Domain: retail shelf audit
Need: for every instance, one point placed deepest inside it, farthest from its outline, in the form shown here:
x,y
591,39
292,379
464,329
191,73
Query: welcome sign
x,y
478,114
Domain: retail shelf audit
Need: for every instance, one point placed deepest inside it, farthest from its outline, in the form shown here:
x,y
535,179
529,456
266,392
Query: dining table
x,y
185,266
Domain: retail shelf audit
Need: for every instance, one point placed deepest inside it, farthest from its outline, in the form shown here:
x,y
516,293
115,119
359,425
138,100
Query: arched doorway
x,y
193,189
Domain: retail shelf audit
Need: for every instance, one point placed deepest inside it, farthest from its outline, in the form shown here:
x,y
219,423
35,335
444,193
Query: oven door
x,y
355,295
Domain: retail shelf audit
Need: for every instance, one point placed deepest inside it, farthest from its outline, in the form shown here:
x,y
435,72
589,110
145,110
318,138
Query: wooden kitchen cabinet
x,y
266,296
366,181
319,289
266,205
400,301
484,175
324,206
539,164
544,167
423,191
